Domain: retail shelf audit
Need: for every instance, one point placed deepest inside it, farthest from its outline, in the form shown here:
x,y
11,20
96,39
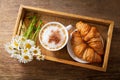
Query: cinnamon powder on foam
x,y
55,37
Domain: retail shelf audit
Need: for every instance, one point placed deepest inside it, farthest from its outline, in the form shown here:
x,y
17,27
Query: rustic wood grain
x,y
10,69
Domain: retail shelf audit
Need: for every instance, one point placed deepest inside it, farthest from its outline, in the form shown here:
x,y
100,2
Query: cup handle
x,y
68,27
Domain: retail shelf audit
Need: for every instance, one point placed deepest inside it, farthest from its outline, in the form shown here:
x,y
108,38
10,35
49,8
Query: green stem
x,y
30,28
34,37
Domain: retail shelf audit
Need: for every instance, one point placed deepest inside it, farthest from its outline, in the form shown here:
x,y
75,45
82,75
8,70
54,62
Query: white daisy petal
x,y
25,58
35,51
22,39
25,51
9,48
15,54
15,38
40,57
29,44
15,44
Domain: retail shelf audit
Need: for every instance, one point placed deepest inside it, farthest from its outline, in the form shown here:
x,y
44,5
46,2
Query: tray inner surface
x,y
65,20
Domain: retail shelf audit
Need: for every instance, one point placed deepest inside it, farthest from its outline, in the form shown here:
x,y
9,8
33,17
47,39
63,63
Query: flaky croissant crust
x,y
87,43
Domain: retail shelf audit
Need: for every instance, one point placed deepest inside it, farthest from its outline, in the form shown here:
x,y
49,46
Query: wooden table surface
x,y
10,69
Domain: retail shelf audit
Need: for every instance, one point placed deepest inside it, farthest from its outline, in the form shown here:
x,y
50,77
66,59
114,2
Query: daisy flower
x,y
9,48
25,58
15,55
15,44
40,57
25,50
35,51
28,44
21,39
15,38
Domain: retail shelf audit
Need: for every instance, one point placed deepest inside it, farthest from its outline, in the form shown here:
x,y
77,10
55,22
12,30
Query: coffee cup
x,y
53,36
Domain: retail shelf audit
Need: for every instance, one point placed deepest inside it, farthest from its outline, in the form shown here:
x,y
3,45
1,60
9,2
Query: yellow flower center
x,y
23,39
35,51
40,57
25,50
28,46
16,52
10,48
16,44
26,57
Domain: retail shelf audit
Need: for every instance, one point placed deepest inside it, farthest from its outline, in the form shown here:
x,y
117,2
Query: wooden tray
x,y
105,27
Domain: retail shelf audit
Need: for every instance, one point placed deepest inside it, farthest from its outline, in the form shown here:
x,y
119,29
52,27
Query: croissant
x,y
97,58
76,39
83,31
94,40
91,34
97,46
79,50
87,43
88,54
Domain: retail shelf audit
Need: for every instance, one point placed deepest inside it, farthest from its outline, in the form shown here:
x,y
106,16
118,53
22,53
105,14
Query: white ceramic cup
x,y
46,35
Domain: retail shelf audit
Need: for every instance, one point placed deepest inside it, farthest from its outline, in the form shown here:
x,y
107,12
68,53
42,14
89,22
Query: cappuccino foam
x,y
53,36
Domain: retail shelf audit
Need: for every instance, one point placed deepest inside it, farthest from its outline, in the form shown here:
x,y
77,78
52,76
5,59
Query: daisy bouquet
x,y
23,47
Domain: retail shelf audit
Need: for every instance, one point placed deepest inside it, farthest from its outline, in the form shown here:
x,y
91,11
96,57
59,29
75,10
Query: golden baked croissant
x,y
92,34
87,43
83,31
88,54
94,39
97,46
76,39
79,49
